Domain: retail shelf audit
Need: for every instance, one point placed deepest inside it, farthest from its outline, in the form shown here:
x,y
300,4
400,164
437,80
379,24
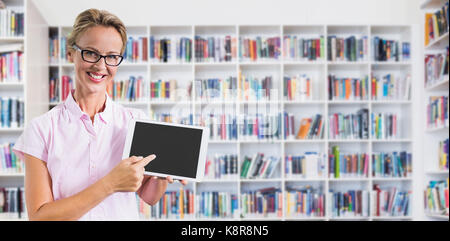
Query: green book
x,y
337,161
245,167
322,46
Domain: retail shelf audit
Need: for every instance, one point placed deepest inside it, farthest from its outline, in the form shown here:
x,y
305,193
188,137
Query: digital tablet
x,y
180,149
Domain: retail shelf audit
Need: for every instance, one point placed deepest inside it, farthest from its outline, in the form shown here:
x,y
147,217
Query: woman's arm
x,y
153,188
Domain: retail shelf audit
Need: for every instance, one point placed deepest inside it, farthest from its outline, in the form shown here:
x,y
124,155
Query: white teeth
x,y
95,76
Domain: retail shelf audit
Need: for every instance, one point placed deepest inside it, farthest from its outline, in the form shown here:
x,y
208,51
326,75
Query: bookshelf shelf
x,y
432,4
439,172
440,85
12,175
437,216
11,130
439,43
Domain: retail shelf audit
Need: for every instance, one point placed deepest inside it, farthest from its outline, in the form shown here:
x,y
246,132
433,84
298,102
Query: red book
x,y
224,133
145,49
255,55
336,124
376,187
318,48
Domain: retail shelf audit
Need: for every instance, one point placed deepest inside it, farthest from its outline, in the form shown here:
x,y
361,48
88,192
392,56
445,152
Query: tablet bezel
x,y
202,154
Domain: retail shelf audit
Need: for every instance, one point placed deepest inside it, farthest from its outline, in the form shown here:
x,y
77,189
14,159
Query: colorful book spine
x,y
217,205
309,128
309,165
170,118
298,88
385,126
12,112
436,24
253,88
347,165
436,197
216,89
53,49
259,48
53,90
259,166
436,68
349,126
348,88
215,49
134,89
437,112
267,202
163,90
389,87
222,167
165,50
67,86
395,164
305,202
443,155
136,50
390,202
350,49
12,203
11,67
260,127
303,49
63,49
12,24
390,50
352,203
221,126
10,163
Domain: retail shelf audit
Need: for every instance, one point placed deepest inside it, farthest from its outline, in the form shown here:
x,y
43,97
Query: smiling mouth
x,y
96,77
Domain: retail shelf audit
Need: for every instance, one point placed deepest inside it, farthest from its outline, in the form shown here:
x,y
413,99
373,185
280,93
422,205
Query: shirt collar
x,y
75,112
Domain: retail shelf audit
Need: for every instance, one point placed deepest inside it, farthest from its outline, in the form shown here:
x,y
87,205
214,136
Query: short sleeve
x,y
32,141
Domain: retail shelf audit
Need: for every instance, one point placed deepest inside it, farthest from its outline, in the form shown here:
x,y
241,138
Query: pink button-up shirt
x,y
79,153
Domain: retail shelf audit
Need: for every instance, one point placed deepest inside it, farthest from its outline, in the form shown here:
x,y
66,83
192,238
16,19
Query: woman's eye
x,y
90,53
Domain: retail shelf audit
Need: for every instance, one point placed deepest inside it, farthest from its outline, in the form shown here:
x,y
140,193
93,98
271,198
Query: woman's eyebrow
x,y
96,50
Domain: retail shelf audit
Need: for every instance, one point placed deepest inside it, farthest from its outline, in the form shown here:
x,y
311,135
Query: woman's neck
x,y
91,103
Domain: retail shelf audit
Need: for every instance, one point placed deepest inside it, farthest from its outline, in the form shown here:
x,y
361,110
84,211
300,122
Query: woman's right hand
x,y
127,176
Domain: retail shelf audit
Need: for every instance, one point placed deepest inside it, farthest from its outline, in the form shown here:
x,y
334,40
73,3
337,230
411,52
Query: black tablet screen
x,y
177,149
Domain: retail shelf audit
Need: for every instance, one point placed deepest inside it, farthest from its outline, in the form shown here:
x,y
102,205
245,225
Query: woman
x,y
73,153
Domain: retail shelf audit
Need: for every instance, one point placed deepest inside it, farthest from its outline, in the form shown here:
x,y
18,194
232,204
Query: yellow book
x,y
163,90
288,211
294,88
13,21
435,26
181,202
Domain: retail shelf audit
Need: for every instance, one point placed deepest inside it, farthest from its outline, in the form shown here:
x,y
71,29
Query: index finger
x,y
145,161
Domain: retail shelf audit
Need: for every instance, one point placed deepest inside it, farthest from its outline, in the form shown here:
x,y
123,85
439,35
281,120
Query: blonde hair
x,y
94,17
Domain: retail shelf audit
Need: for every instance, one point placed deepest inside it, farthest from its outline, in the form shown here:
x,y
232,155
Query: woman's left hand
x,y
169,179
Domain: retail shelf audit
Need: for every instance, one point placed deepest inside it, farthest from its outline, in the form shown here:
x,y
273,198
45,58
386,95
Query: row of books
x,y
436,197
259,48
133,89
216,89
308,165
298,48
221,166
53,49
260,127
221,126
10,163
347,165
309,129
349,204
348,88
349,126
170,49
215,49
218,205
436,24
12,202
437,111
12,111
305,202
63,48
170,118
266,202
253,88
163,90
298,88
172,205
385,126
11,66
394,164
350,49
390,87
136,49
67,86
12,23
443,154
259,166
390,202
436,68
391,50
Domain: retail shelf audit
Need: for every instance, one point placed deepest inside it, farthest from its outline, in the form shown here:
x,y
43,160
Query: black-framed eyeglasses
x,y
93,57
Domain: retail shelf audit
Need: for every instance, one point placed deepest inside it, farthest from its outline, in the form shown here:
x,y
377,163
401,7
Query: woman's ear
x,y
70,54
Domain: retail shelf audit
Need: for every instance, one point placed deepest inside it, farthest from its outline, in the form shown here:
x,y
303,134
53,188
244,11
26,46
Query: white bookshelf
x,y
432,136
319,70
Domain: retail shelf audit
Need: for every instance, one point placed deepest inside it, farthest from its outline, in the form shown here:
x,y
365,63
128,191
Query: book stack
x,y
12,111
265,202
385,126
347,165
12,23
353,203
436,197
436,68
221,126
303,49
10,163
310,128
298,88
215,49
259,166
11,65
172,205
12,203
253,88
436,24
217,205
309,165
348,88
163,90
391,202
53,90
350,126
260,127
259,48
67,86
53,49
170,118
136,50
390,87
216,89
222,167
166,50
443,155
347,49
390,50
305,202
395,164
133,89
437,112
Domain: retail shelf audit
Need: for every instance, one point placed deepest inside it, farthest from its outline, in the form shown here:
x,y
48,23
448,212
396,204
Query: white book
x,y
312,165
365,203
